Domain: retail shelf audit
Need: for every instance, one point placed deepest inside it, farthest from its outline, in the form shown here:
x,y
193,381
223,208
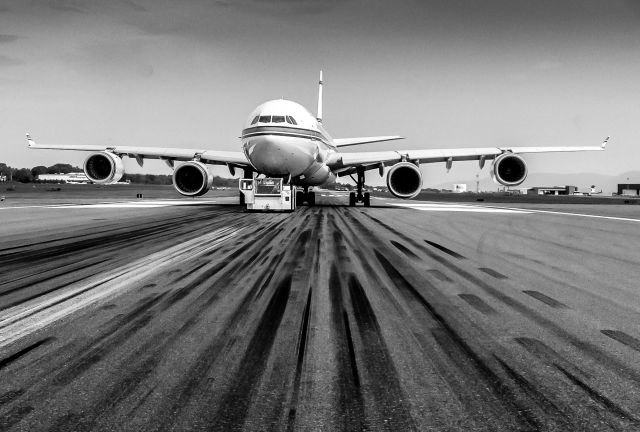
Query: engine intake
x,y
404,180
192,179
509,170
104,168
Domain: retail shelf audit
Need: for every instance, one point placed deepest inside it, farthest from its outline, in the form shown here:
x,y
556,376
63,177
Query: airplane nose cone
x,y
281,156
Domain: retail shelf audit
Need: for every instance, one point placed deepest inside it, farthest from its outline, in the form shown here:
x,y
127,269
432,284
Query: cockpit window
x,y
277,119
265,119
291,120
255,120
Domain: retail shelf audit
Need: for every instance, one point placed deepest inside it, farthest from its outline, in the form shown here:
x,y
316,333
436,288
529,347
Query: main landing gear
x,y
248,174
359,196
306,196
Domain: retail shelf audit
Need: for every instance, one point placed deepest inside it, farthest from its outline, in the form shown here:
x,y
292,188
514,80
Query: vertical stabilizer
x,y
319,116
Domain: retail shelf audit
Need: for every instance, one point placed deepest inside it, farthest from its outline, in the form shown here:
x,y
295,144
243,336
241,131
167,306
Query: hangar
x,y
629,189
553,190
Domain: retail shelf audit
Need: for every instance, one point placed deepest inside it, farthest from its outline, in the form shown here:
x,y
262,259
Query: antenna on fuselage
x,y
319,116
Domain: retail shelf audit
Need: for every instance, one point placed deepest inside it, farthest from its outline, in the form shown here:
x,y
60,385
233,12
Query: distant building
x,y
553,190
459,188
629,189
64,178
3,178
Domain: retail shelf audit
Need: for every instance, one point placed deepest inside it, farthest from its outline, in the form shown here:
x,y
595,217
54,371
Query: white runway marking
x,y
27,318
441,207
617,218
120,204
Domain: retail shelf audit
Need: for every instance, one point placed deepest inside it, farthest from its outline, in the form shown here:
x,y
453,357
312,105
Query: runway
x,y
161,315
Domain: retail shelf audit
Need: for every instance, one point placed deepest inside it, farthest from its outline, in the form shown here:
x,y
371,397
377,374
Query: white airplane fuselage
x,y
282,139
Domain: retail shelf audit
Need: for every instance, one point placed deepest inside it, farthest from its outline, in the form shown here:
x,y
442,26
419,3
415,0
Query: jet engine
x,y
404,180
192,179
104,168
509,169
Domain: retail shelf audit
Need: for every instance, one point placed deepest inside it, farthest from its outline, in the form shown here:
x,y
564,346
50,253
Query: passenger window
x,y
277,119
255,120
291,120
265,119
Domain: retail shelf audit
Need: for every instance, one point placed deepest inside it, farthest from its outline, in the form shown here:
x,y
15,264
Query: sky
x,y
442,73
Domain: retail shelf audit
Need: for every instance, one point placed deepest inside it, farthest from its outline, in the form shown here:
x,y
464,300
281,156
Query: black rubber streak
x,y
623,338
23,352
493,273
478,304
545,299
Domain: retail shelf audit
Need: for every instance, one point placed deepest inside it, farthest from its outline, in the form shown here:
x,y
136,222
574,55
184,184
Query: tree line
x,y
30,175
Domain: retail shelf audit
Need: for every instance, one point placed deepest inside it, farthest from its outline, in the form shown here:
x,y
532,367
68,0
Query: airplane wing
x,y
140,153
346,163
345,142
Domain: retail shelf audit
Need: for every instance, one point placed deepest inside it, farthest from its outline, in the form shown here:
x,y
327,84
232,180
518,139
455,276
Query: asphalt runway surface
x,y
158,315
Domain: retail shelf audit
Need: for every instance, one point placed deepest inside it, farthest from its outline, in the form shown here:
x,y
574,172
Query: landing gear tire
x,y
299,198
311,198
352,199
242,199
367,199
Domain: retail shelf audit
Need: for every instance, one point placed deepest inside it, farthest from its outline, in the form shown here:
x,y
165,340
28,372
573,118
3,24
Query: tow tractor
x,y
268,194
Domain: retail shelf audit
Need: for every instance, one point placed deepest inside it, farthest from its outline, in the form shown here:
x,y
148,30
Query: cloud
x,y
9,61
67,6
283,7
133,5
548,65
6,38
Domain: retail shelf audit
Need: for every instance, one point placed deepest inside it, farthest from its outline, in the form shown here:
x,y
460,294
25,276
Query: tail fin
x,y
30,141
319,116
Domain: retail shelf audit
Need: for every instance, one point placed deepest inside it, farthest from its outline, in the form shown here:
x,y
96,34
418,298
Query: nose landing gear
x,y
306,196
364,198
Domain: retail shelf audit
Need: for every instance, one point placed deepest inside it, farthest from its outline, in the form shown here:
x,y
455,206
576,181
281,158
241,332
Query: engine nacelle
x,y
104,168
192,179
404,180
509,170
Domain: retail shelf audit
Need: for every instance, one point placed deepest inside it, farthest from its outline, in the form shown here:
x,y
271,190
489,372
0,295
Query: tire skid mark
x,y
194,384
105,240
141,364
116,335
534,393
405,250
599,398
303,334
621,337
491,272
47,275
588,348
478,304
51,290
593,351
461,353
14,415
548,355
10,396
549,301
439,275
384,380
235,402
402,235
445,250
56,288
350,403
23,352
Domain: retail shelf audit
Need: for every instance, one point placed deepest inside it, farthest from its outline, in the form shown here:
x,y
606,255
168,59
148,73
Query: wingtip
x,y
30,142
604,143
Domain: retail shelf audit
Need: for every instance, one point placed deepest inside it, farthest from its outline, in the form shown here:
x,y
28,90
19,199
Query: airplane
x,y
282,139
